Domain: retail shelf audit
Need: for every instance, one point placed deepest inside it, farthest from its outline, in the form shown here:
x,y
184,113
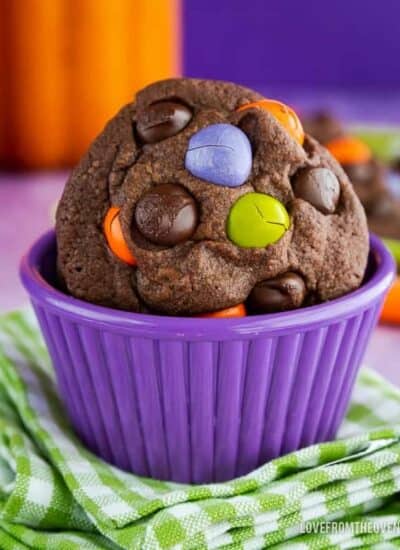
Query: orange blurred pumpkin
x,y
66,67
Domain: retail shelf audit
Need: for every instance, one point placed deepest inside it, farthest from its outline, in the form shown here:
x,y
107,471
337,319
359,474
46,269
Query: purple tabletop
x,y
27,204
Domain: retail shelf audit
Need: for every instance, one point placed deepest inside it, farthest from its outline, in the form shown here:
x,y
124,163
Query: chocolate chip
x,y
161,120
359,173
282,293
166,215
319,187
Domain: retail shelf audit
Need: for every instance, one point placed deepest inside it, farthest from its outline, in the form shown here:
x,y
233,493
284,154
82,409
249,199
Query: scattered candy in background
x,y
349,150
393,180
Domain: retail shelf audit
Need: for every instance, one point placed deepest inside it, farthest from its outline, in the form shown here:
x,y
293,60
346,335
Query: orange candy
x,y
391,309
284,114
115,238
349,150
229,313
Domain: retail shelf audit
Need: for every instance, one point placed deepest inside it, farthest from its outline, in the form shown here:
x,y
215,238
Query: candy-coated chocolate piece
x,y
349,150
115,237
319,187
161,120
257,220
284,114
220,154
166,215
228,313
281,293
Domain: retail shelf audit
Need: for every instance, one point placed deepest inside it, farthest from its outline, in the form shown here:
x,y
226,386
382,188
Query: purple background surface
x,y
261,43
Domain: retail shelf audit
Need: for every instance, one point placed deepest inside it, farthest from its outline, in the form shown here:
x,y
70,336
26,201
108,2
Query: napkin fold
x,y
56,494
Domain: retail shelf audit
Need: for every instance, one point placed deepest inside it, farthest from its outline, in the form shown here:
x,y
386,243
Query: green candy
x,y
394,247
257,220
383,142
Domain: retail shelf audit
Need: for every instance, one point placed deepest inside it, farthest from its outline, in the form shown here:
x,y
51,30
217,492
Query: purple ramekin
x,y
203,400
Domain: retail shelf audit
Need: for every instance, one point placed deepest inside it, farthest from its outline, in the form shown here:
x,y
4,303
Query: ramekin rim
x,y
43,292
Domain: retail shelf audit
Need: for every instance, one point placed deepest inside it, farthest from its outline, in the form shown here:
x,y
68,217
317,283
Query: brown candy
x,y
360,173
323,126
282,293
161,120
381,204
395,166
166,215
319,187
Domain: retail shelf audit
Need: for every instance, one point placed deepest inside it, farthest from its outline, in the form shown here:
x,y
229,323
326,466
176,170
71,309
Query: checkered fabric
x,y
54,494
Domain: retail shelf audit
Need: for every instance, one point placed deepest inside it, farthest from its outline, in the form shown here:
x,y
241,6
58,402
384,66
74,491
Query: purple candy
x,y
220,154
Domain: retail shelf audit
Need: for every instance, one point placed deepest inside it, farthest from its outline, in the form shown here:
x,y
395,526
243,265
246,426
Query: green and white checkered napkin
x,y
56,495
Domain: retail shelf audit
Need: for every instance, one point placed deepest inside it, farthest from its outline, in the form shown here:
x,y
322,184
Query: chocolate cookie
x,y
201,195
